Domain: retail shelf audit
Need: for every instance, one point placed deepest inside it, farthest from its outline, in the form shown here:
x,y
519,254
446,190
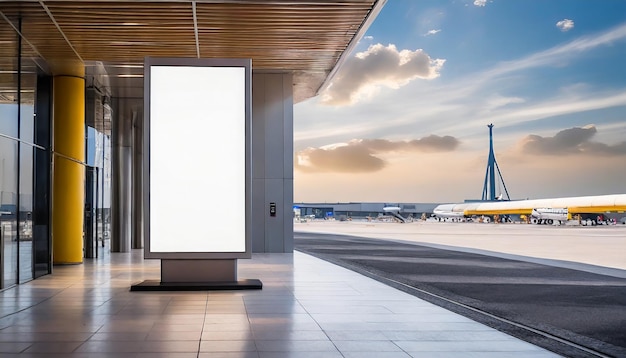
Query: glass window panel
x,y
8,119
25,214
105,189
90,146
8,82
41,213
27,101
28,84
27,123
42,256
8,211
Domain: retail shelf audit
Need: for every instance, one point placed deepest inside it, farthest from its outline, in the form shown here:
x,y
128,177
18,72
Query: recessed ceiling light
x,y
126,66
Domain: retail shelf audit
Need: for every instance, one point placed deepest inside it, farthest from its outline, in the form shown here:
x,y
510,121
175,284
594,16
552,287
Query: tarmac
x,y
548,279
601,247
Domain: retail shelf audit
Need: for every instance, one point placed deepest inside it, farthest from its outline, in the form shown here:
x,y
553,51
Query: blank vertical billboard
x,y
196,158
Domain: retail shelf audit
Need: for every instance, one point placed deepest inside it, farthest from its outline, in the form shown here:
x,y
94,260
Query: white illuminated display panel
x,y
197,159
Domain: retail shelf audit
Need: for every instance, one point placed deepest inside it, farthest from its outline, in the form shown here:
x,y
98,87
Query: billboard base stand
x,y
155,285
198,275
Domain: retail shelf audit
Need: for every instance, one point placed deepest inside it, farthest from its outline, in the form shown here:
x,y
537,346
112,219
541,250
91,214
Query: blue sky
x,y
405,119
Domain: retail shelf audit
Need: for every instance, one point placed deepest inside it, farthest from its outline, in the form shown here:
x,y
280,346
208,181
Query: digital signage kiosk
x,y
197,171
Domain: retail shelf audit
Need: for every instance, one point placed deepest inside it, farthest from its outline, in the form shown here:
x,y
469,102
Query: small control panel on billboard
x,y
197,118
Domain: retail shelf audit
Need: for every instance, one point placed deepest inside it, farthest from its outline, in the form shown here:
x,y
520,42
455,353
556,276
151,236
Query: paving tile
x,y
285,335
53,347
375,355
295,346
227,346
229,355
300,355
116,336
366,346
13,347
227,336
44,337
307,308
174,336
511,345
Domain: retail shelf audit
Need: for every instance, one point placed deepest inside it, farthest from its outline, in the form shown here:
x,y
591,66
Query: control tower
x,y
489,189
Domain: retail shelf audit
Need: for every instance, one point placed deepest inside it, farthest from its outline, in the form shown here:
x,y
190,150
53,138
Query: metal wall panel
x,y
274,118
258,125
272,162
288,215
274,232
288,128
259,214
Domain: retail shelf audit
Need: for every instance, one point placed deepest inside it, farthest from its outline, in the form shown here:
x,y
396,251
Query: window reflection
x,y
25,226
24,178
8,211
99,166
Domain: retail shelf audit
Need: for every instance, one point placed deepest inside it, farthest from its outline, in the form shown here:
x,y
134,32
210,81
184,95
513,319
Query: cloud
x,y
368,37
468,92
570,141
432,32
565,25
480,2
463,106
364,74
498,101
343,159
362,155
556,54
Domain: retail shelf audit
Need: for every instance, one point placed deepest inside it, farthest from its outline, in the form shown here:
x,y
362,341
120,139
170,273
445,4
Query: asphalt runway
x,y
583,307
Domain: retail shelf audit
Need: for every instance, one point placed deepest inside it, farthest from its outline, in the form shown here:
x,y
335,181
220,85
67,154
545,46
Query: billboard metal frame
x,y
149,63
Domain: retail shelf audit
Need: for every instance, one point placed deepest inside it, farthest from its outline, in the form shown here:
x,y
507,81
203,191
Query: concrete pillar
x,y
121,175
137,190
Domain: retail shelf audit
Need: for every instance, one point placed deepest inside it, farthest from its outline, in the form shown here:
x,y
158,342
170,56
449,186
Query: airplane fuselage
x,y
549,215
548,210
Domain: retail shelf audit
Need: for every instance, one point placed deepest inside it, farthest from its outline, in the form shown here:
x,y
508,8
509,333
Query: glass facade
x,y
97,190
24,167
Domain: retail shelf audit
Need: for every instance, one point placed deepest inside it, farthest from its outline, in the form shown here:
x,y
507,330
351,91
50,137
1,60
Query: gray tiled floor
x,y
307,308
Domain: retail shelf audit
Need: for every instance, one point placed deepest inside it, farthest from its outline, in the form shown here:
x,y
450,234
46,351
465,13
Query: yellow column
x,y
68,185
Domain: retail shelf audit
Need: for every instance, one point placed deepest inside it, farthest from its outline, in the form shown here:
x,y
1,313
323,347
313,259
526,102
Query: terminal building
x,y
71,112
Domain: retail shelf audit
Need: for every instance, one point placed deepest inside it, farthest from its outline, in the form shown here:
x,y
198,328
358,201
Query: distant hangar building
x,y
340,211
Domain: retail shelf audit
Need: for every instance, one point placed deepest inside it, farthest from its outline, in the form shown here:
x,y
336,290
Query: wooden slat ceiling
x,y
306,38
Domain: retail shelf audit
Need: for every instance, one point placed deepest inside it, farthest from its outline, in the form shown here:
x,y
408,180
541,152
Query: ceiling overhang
x,y
309,39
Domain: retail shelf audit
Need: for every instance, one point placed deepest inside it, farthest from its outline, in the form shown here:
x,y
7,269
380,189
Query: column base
x,y
198,275
155,285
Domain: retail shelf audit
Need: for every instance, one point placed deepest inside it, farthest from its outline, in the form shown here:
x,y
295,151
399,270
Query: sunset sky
x,y
405,119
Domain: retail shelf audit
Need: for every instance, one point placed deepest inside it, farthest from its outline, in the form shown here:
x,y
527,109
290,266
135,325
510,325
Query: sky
x,y
405,118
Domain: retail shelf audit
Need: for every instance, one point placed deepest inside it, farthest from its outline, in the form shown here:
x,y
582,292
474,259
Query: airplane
x,y
576,206
550,216
446,212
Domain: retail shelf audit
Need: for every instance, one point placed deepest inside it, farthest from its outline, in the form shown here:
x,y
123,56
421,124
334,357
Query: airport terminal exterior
x,y
71,109
74,143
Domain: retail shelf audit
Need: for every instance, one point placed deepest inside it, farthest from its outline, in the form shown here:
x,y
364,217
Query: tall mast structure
x,y
489,188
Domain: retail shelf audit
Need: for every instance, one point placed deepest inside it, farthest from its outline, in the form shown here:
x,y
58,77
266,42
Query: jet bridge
x,y
394,211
